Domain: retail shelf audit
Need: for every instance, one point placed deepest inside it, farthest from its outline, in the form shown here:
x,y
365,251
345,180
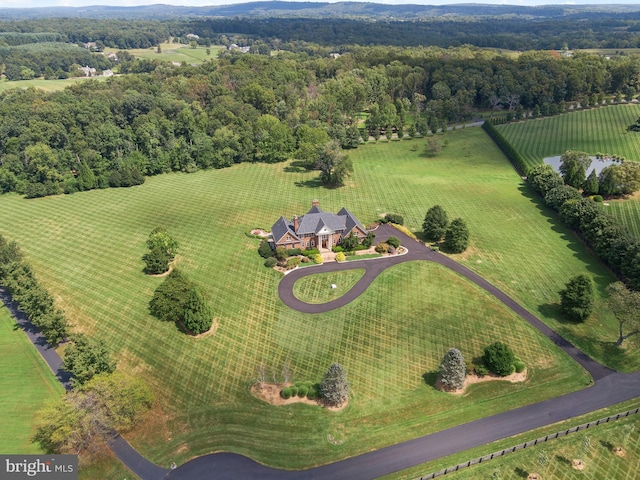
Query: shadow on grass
x,y
520,472
607,445
430,378
296,167
563,460
313,183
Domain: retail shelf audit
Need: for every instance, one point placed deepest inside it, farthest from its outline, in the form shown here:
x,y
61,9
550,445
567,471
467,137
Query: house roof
x,y
316,221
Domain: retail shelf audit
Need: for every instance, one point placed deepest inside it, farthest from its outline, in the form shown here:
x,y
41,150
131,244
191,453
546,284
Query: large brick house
x,y
316,229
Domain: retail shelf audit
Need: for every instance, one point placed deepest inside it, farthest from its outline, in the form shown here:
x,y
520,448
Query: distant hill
x,y
320,10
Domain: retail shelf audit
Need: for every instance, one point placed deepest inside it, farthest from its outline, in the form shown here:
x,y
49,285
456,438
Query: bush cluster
x,y
34,300
340,257
317,259
304,389
162,249
499,359
382,248
310,252
393,218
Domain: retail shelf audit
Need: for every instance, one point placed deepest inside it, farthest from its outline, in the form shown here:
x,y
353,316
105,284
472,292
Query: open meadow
x,y
27,383
87,249
596,130
174,52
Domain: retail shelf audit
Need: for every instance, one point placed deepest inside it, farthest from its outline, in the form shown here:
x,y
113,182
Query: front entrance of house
x,y
325,242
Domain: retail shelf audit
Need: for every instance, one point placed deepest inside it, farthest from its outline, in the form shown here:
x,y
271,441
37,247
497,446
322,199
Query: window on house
x,y
313,243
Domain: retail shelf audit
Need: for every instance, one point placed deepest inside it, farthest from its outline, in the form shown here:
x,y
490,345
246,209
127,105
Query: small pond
x,y
596,163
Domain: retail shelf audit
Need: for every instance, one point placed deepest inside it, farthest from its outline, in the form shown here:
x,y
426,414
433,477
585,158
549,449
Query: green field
x,y
87,249
46,85
318,288
175,52
27,383
597,130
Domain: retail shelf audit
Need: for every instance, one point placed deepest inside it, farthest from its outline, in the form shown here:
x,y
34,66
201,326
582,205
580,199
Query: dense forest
x,y
261,107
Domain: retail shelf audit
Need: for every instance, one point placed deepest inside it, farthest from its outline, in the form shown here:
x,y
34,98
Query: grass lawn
x,y
318,288
27,383
87,249
46,85
597,130
601,462
175,52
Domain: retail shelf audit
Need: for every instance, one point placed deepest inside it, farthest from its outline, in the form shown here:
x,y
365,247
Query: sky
x,y
201,3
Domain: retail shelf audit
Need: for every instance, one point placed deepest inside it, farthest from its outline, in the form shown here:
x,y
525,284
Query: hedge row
x,y
512,154
34,300
306,389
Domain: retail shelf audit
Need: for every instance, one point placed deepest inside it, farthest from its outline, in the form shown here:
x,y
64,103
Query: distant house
x,y
316,229
107,73
88,71
192,36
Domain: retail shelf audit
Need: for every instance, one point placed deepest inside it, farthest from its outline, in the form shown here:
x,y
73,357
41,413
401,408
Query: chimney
x,y
315,203
295,223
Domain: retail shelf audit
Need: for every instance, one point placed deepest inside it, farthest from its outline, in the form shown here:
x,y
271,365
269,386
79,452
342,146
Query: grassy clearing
x,y
27,383
87,249
318,288
602,462
175,52
46,85
596,130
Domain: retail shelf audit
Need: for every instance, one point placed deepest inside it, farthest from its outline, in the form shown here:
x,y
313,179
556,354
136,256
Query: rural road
x,y
609,388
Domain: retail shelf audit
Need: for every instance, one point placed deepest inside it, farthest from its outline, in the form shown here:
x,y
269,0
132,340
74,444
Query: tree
x,y
620,179
557,196
85,358
106,404
274,141
169,300
334,165
573,166
432,147
350,242
435,223
198,315
159,238
590,186
499,358
578,297
156,261
334,387
625,305
393,241
453,370
265,250
543,178
456,238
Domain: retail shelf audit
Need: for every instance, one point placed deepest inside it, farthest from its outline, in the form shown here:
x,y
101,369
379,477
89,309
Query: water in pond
x,y
596,163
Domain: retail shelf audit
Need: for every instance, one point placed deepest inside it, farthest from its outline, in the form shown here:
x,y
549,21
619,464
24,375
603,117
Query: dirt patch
x,y
534,476
260,232
578,464
270,393
473,378
619,451
211,331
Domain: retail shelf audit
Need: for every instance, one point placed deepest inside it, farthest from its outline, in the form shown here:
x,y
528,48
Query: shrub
x,y
281,254
394,242
305,260
317,259
292,252
270,262
294,390
481,370
285,393
598,198
303,390
394,218
337,249
499,358
382,248
519,365
310,252
312,394
265,250
340,257
293,263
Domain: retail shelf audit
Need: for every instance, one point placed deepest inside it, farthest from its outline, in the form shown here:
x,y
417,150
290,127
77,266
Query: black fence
x,y
530,443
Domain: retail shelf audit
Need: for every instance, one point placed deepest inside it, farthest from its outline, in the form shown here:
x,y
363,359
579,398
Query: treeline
x,y
20,38
18,277
48,60
253,107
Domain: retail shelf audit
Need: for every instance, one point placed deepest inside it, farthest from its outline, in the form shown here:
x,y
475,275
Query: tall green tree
x,y
625,305
334,387
499,358
453,370
577,298
160,238
573,167
198,315
456,238
543,178
335,166
170,298
87,357
435,223
590,186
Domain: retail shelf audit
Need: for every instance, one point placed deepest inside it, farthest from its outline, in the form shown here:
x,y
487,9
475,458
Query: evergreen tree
x,y
335,386
456,238
198,315
85,358
591,186
435,223
499,358
169,300
453,370
578,297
